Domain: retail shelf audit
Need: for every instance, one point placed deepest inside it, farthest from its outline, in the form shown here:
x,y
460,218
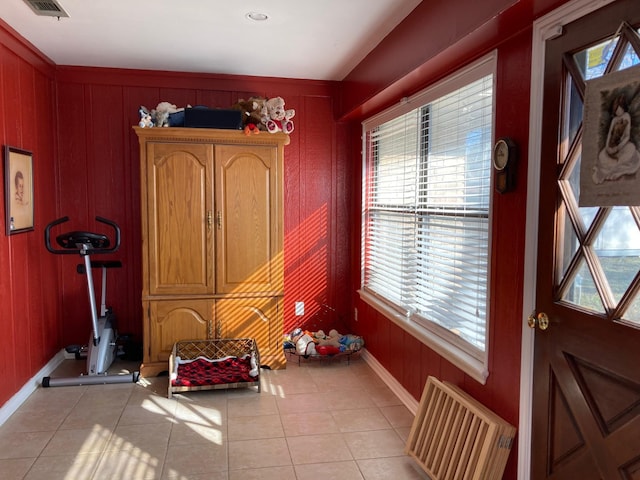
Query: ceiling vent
x,y
46,8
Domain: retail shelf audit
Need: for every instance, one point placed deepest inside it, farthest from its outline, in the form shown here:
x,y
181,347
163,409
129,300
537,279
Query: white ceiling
x,y
321,40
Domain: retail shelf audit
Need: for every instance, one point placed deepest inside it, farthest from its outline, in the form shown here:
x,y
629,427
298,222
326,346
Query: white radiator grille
x,y
455,437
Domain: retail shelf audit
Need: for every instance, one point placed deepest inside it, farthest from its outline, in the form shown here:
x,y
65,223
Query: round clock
x,y
501,154
504,159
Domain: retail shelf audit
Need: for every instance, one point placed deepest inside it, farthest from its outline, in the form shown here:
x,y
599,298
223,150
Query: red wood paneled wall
x,y
29,307
99,175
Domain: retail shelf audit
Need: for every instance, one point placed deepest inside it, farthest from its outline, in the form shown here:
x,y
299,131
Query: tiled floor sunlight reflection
x,y
314,420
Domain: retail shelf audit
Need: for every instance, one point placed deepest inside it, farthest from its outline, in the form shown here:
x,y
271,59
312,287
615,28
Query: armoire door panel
x,y
258,318
248,317
180,187
247,247
174,320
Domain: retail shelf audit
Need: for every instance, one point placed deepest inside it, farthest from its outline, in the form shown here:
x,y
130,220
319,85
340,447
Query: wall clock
x,y
504,164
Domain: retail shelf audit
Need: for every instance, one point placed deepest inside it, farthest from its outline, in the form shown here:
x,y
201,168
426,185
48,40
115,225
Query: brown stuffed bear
x,y
251,114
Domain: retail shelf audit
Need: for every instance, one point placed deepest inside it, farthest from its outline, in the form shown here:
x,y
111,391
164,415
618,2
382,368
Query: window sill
x,y
469,364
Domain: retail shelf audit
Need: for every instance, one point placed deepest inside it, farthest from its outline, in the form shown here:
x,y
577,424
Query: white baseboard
x,y
405,397
28,388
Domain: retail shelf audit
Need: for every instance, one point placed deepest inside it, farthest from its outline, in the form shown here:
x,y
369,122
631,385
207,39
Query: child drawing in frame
x,y
20,186
619,156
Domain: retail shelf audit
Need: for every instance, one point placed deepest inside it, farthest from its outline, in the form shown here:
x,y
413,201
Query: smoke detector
x,y
46,8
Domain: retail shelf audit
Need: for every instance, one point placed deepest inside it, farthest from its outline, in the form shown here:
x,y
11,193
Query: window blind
x,y
426,210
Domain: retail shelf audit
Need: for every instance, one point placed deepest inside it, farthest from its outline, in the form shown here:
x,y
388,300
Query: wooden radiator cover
x,y
453,436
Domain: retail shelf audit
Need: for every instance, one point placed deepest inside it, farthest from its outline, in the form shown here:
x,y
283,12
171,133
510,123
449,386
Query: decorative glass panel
x,y
570,246
618,248
574,113
583,292
632,315
613,243
629,59
593,61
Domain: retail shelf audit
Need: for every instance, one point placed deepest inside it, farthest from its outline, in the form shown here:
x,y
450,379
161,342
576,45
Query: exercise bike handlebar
x,y
76,242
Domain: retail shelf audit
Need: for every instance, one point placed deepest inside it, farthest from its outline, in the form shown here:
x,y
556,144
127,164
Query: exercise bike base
x,y
90,380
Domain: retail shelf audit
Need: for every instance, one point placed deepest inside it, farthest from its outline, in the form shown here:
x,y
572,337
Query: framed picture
x,y
18,190
610,162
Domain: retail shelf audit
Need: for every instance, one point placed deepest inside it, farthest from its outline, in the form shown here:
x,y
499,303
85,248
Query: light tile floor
x,y
318,420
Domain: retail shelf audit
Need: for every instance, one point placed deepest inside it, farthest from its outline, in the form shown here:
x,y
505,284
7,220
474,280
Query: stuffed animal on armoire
x,y
160,114
276,118
251,110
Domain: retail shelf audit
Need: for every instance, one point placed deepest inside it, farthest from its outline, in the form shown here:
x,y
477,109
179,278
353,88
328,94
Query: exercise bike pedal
x,y
77,349
73,349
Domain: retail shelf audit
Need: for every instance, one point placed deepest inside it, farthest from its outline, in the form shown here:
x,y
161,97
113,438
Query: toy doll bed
x,y
214,364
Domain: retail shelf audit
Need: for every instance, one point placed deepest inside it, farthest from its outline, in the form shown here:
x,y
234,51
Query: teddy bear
x,y
331,340
251,114
145,117
160,114
275,117
319,335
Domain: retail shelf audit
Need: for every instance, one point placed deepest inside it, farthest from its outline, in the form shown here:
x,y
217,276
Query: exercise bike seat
x,y
80,268
71,240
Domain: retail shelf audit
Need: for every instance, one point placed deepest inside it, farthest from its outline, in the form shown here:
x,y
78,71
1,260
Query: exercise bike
x,y
102,347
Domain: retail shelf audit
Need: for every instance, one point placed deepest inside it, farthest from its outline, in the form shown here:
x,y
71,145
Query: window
x,y
426,206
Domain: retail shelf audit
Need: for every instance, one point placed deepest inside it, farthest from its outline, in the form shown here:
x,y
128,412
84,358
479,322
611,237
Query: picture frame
x,y
18,190
610,159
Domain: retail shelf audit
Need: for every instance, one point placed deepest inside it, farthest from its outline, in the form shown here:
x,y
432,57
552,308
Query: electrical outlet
x,y
299,309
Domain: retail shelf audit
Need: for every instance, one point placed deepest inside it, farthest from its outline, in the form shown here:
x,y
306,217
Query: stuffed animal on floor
x,y
305,345
308,343
303,341
351,342
331,340
276,118
319,335
327,350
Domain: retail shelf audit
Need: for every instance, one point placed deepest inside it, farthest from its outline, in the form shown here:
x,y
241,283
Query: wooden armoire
x,y
212,240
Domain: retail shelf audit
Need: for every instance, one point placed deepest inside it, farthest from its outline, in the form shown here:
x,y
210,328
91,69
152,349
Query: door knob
x,y
541,320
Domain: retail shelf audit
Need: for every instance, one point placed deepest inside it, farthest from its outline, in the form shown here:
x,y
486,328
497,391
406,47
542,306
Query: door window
x,y
599,259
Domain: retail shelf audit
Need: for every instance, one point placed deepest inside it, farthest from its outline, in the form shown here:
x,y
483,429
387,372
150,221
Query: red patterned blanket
x,y
202,371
